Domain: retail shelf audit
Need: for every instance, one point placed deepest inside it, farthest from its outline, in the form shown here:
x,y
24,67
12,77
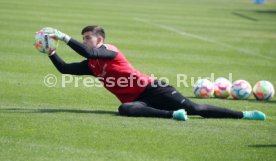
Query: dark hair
x,y
95,29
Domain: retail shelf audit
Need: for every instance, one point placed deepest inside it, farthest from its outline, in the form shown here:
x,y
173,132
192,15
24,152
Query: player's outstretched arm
x,y
81,49
92,53
79,68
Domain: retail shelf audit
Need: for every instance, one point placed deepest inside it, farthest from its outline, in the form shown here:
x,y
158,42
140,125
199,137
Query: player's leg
x,y
141,109
174,100
168,98
211,111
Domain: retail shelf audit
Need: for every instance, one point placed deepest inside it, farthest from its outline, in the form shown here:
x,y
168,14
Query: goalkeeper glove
x,y
57,34
61,36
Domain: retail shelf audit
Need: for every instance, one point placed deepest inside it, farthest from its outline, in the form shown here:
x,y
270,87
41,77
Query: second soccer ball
x,y
222,88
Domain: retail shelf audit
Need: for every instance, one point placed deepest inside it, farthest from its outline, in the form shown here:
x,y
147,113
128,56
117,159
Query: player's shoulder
x,y
111,47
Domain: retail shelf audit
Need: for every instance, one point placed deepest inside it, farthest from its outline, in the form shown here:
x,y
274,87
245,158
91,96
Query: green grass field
x,y
164,38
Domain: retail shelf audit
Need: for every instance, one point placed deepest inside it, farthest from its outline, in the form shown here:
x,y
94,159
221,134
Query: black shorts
x,y
161,95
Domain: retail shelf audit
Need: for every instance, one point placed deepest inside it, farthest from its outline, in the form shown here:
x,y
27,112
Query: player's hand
x,y
50,53
57,34
61,36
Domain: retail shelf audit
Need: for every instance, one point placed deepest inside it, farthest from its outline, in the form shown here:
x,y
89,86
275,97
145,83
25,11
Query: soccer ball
x,y
222,88
203,88
44,43
241,89
263,90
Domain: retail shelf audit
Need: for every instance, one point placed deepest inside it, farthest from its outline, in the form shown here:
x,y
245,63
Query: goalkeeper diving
x,y
144,96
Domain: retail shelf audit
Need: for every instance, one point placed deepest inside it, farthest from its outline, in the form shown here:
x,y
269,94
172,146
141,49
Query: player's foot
x,y
253,115
180,115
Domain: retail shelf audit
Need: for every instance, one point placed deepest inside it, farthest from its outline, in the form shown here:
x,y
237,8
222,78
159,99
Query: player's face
x,y
90,39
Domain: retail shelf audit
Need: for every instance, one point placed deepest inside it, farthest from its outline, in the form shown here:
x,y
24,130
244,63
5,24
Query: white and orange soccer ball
x,y
263,90
222,88
44,43
203,88
241,89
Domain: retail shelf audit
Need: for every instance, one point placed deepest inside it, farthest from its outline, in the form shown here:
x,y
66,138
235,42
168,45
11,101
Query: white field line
x,y
206,39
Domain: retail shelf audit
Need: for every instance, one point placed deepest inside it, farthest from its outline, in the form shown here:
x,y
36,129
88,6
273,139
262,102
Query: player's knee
x,y
129,109
124,109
